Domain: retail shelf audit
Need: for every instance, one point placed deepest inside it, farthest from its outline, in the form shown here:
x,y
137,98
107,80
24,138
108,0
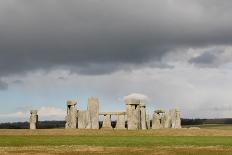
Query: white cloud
x,y
136,96
45,113
18,114
51,111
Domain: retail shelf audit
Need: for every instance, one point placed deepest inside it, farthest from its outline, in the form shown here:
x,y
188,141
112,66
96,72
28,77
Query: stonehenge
x,y
33,119
134,117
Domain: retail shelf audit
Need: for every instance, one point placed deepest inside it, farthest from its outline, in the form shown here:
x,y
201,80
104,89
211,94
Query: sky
x,y
174,53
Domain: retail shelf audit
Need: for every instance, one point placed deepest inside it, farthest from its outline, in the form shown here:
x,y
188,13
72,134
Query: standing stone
x,y
156,123
83,119
71,118
175,118
148,121
162,120
120,122
93,110
143,115
33,119
178,120
165,120
172,117
133,114
107,122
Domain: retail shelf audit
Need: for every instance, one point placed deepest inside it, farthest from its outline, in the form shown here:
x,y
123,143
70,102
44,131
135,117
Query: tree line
x,y
61,124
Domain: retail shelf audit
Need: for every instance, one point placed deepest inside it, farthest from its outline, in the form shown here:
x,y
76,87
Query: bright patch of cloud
x,y
45,113
136,96
51,111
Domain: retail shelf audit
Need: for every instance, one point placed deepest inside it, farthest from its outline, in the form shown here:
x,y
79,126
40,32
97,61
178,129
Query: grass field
x,y
214,139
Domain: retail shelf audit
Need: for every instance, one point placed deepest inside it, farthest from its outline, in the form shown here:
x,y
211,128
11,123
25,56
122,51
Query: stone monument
x,y
33,119
165,120
148,121
107,122
83,119
133,113
71,118
93,110
175,118
156,120
143,115
120,122
168,119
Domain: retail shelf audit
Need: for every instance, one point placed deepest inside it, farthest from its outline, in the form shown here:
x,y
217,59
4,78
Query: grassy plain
x,y
214,140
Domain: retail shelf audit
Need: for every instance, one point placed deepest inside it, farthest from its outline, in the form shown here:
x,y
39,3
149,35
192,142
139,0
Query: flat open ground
x,y
215,140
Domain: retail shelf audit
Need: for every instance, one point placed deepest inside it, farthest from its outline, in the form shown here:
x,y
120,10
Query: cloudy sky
x,y
176,53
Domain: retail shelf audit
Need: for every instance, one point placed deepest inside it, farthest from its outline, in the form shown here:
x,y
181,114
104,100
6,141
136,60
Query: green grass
x,y
113,142
116,141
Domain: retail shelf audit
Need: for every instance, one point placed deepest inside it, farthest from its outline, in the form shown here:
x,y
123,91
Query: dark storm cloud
x,y
213,57
98,36
206,58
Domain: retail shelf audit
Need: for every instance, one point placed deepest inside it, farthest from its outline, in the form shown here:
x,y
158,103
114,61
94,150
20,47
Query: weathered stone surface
x,y
148,121
33,119
93,109
83,119
133,114
107,122
175,118
165,120
71,118
178,120
156,121
143,115
170,119
120,122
